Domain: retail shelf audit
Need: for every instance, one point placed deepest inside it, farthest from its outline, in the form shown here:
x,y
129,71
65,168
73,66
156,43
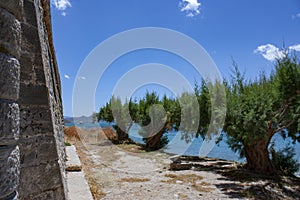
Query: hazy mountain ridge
x,y
79,120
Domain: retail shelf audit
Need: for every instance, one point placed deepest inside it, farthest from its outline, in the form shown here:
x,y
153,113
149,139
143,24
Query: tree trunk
x,y
258,158
122,136
154,142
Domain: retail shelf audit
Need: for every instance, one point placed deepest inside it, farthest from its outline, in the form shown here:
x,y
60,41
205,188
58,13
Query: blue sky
x,y
250,32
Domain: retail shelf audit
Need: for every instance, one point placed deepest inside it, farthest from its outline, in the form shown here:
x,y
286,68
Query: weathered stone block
x,y
28,152
26,67
37,150
73,162
38,179
40,75
13,6
33,94
30,13
57,194
32,69
10,34
35,129
9,77
44,196
61,193
34,121
9,122
32,113
30,39
9,170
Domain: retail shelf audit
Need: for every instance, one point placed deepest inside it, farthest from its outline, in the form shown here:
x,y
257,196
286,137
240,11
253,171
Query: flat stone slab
x,y
78,186
73,162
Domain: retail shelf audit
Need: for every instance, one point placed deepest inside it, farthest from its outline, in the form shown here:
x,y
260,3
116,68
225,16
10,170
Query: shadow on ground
x,y
245,183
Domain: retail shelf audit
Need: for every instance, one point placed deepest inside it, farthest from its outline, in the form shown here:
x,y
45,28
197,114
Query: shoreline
x,y
165,151
127,172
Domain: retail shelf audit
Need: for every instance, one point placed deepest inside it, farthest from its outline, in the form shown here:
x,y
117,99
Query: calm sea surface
x,y
177,145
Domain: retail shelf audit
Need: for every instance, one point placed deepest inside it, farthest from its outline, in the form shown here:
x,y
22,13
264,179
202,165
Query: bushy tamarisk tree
x,y
258,109
152,118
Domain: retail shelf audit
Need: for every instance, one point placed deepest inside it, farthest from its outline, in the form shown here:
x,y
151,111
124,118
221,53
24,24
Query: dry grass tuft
x,y
95,188
110,134
201,188
131,148
134,180
71,133
183,196
185,177
205,184
189,178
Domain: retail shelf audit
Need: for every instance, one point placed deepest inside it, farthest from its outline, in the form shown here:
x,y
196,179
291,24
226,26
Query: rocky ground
x,y
128,172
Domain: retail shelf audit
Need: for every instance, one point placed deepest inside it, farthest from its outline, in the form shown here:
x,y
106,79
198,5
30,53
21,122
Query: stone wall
x,y
32,156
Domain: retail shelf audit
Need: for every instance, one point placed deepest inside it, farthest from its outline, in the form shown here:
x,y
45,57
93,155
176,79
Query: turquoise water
x,y
178,146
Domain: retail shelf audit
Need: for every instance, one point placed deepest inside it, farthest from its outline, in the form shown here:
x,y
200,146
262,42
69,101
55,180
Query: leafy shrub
x,y
283,160
67,144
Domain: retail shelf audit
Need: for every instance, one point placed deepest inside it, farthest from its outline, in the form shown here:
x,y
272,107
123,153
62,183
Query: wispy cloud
x,y
271,52
61,5
67,76
81,78
190,7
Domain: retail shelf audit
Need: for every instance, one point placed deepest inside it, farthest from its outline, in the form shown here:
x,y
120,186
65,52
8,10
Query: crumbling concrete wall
x,y
32,156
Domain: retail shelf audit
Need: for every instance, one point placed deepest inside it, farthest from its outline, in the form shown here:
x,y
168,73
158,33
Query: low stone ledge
x,y
73,162
78,186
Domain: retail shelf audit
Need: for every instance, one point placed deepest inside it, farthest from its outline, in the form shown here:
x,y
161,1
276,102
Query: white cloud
x,y
269,52
67,76
81,78
64,14
61,4
190,7
295,47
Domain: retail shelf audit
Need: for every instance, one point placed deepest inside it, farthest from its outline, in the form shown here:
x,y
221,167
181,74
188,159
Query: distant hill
x,y
79,120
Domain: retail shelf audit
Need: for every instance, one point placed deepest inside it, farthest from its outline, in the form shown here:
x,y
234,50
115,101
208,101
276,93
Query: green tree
x,y
153,120
105,113
115,111
256,110
204,102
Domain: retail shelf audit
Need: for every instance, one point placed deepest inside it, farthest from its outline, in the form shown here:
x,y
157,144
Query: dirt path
x,y
126,172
